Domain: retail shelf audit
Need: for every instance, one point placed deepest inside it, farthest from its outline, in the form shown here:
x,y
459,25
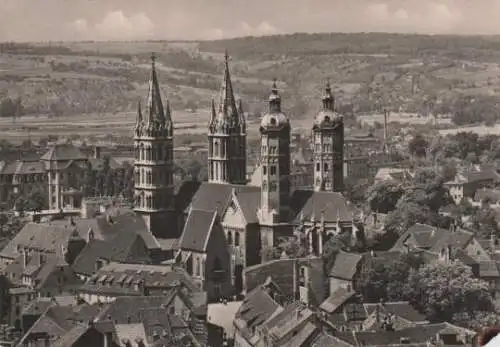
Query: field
x,y
91,89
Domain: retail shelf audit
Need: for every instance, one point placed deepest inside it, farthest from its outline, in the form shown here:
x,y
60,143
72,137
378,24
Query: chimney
x,y
97,152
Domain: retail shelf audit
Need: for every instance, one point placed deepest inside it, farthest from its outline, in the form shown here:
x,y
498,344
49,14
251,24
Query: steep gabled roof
x,y
346,265
197,231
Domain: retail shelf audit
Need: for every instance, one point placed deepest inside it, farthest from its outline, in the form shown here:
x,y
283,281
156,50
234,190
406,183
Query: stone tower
x,y
227,136
274,211
328,142
153,166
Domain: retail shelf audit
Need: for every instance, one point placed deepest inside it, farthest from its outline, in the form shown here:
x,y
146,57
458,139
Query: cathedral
x,y
250,218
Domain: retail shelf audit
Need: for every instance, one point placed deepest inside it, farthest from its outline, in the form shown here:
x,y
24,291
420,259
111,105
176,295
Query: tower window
x,y
325,166
229,238
318,166
264,170
273,170
236,238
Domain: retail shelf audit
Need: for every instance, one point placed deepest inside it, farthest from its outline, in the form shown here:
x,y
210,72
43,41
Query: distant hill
x,y
368,71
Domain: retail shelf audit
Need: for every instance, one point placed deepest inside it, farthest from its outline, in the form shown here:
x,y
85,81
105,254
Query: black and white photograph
x,y
267,173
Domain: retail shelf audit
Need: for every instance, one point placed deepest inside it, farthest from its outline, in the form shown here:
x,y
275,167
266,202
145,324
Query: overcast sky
x,y
43,20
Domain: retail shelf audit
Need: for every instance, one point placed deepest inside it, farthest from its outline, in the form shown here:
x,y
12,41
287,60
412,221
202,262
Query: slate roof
x,y
336,299
249,202
331,204
215,196
122,248
63,152
197,230
346,265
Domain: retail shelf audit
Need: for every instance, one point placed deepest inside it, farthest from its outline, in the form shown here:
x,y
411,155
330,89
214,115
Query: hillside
x,y
368,71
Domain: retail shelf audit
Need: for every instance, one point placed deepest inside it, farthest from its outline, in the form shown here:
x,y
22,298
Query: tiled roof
x,y
488,269
197,231
281,271
458,239
23,167
257,307
325,340
72,336
124,248
346,265
425,236
336,299
401,309
63,152
249,202
415,335
130,332
491,194
98,164
333,205
49,237
286,321
57,321
125,279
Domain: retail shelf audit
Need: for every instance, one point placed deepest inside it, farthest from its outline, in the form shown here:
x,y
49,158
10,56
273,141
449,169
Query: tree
x,y
418,146
386,280
407,214
383,197
444,291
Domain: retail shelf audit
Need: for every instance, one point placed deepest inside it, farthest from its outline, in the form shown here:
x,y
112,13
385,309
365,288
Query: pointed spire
x,y
213,114
154,106
139,121
328,99
227,118
274,99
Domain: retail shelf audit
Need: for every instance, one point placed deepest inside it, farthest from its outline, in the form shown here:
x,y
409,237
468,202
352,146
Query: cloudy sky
x,y
42,20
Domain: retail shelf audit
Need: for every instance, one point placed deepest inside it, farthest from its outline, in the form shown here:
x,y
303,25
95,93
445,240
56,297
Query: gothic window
x,y
223,149
318,166
229,238
198,265
236,238
149,177
148,153
160,152
264,170
153,153
202,267
142,153
216,148
272,170
142,176
272,187
325,166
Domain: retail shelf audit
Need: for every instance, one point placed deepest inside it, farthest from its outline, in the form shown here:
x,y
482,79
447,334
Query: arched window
x,y
236,238
216,148
142,153
142,176
198,267
229,238
153,153
160,152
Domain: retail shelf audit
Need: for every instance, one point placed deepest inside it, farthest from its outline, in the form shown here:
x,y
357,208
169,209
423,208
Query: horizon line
x,y
180,40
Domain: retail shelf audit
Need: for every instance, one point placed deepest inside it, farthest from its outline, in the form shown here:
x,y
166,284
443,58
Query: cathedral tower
x,y
328,142
227,136
274,209
153,166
